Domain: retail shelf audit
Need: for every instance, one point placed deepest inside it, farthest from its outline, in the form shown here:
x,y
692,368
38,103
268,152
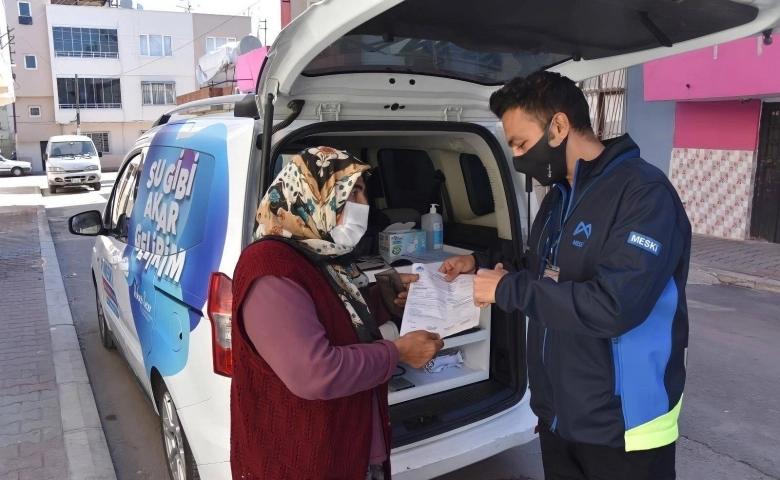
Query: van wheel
x,y
16,172
52,189
181,464
96,186
105,335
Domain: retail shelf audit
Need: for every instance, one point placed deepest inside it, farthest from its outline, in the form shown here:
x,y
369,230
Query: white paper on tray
x,y
438,306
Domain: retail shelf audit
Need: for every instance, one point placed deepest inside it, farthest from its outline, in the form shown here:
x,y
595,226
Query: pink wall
x,y
739,69
727,125
248,69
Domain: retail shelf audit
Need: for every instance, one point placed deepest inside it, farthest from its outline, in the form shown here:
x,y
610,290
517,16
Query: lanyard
x,y
553,239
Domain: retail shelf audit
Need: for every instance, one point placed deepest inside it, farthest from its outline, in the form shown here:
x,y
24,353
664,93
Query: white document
x,y
437,306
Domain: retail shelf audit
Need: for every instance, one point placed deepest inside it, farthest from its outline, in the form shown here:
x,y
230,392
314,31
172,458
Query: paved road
x,y
730,425
730,421
129,421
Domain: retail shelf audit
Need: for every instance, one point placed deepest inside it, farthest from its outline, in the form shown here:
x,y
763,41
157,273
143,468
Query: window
x,y
606,95
124,196
478,189
158,93
93,93
85,42
35,111
25,10
30,62
69,149
213,43
100,139
373,53
156,46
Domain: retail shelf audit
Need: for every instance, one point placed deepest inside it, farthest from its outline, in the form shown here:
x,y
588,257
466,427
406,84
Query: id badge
x,y
551,271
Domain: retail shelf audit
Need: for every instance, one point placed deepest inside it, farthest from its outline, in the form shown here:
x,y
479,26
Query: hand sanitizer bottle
x,y
433,226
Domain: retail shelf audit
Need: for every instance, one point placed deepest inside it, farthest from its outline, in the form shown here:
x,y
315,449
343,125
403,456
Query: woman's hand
x,y
407,279
452,267
418,348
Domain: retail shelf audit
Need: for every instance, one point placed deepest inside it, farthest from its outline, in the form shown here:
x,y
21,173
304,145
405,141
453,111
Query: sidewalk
x,y
745,263
49,425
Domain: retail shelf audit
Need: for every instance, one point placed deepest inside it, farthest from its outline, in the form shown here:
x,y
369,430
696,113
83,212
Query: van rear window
x,y
492,42
370,53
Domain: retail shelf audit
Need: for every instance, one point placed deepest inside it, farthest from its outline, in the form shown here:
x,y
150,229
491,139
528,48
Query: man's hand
x,y
452,267
407,279
485,284
418,348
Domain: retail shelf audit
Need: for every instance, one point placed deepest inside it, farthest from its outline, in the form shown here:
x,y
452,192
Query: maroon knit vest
x,y
273,433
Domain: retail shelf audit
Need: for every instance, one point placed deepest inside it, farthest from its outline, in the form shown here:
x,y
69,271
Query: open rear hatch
x,y
342,55
386,63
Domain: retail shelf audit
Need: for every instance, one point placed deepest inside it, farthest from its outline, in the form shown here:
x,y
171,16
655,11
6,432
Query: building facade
x,y
7,90
715,115
131,64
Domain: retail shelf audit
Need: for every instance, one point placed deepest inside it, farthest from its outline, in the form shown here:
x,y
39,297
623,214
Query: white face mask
x,y
349,233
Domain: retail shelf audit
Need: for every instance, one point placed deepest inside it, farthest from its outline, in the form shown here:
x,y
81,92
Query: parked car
x,y
404,85
16,168
72,160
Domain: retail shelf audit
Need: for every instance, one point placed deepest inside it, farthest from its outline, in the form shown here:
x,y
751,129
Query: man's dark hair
x,y
541,95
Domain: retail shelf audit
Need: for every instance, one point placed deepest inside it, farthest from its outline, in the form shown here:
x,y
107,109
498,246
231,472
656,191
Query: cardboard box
x,y
398,240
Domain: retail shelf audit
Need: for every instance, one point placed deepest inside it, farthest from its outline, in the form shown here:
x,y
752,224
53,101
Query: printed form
x,y
438,306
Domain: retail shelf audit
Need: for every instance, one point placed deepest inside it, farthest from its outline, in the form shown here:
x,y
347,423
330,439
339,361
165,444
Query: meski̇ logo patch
x,y
644,242
582,229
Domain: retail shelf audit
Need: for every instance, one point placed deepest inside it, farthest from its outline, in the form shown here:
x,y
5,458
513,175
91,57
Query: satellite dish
x,y
249,43
139,6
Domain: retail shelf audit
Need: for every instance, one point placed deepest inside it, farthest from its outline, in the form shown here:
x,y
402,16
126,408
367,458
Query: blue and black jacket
x,y
607,342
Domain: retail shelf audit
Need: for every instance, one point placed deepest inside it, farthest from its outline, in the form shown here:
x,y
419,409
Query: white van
x,y
72,160
362,76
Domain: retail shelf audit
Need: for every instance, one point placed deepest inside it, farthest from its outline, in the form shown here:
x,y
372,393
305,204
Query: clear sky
x,y
259,10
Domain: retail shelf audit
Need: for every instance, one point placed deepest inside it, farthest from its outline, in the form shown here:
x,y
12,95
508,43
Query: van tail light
x,y
220,311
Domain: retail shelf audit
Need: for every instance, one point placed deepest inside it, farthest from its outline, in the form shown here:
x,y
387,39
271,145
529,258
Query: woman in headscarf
x,y
310,368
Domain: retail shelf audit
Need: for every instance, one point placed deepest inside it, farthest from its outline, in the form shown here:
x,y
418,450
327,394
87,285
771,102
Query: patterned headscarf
x,y
300,208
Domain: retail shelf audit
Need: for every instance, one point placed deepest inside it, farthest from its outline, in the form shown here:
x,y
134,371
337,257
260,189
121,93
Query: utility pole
x,y
78,107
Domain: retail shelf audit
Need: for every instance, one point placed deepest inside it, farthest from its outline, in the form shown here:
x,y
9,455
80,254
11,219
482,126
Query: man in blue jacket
x,y
603,285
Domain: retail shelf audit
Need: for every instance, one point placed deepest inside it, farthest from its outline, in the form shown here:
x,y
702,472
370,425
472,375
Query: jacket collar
x,y
615,150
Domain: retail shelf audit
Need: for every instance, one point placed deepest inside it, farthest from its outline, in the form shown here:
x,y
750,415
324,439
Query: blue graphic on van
x,y
177,233
108,287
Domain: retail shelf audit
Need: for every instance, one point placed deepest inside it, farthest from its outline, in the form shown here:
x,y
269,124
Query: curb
x,y
764,284
85,442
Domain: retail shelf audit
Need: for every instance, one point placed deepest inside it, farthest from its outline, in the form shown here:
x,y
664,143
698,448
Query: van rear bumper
x,y
419,461
467,445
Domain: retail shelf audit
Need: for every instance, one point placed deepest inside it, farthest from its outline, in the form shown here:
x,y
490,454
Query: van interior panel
x,y
579,29
459,171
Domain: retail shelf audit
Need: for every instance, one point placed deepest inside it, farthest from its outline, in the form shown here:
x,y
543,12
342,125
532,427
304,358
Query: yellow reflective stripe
x,y
655,433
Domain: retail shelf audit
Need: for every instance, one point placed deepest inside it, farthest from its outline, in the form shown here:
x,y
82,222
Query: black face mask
x,y
545,163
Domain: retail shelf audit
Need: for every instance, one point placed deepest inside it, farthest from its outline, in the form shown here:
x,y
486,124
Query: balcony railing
x,y
91,3
87,54
100,106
